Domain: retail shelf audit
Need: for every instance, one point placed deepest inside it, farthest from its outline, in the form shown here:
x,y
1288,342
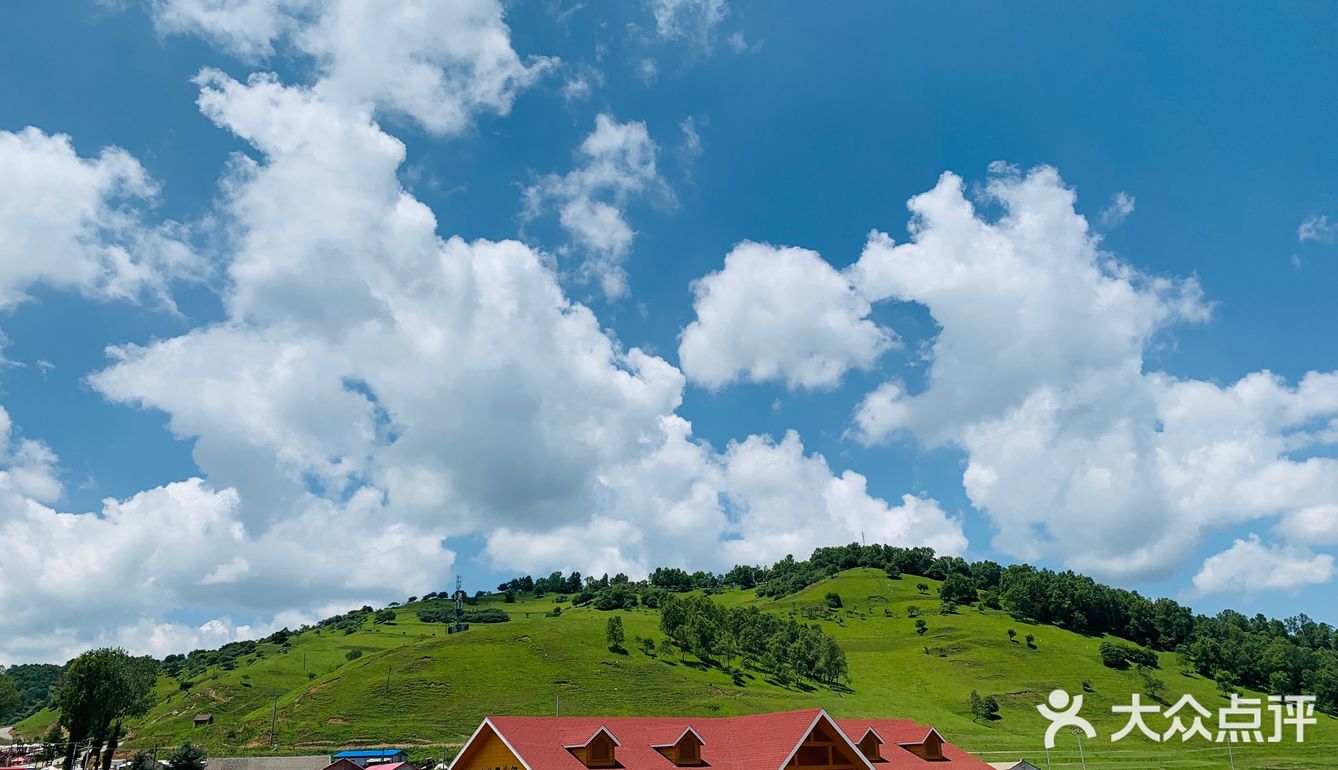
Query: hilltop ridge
x,y
407,682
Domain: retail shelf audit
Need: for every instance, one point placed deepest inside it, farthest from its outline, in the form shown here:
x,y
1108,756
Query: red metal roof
x,y
897,731
758,742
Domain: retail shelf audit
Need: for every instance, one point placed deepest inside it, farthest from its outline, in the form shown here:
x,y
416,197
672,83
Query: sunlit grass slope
x,y
416,687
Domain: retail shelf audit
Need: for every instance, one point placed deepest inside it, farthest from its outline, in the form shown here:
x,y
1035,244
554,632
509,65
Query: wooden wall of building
x,y
488,753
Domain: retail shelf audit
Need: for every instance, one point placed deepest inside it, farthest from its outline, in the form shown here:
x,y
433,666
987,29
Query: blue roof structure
x,y
368,753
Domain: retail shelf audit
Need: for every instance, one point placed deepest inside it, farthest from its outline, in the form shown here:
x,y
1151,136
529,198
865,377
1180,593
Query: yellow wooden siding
x,y
487,753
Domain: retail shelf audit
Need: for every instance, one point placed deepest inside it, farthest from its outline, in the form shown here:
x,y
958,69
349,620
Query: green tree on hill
x,y
100,689
833,600
613,632
983,709
1152,686
921,626
958,588
922,587
9,697
188,757
784,647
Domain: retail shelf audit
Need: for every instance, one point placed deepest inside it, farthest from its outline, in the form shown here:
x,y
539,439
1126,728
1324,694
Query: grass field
x,y
418,688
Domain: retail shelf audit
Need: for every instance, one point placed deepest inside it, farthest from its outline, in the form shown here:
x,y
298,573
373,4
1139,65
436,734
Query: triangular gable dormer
x,y
930,747
871,745
825,747
488,749
685,750
599,750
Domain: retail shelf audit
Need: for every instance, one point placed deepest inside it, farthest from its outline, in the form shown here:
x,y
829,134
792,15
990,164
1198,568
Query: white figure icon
x,y
1063,712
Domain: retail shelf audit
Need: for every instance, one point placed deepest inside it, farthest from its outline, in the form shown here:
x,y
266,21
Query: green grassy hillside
x,y
416,687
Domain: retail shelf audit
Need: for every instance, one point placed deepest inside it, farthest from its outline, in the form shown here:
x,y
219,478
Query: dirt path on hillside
x,y
5,735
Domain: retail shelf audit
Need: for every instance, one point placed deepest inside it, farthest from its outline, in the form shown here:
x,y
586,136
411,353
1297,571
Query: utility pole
x,y
388,670
273,723
1047,758
1081,757
1231,757
557,706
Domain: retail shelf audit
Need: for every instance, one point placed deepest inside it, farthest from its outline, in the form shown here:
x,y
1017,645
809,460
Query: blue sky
x,y
706,125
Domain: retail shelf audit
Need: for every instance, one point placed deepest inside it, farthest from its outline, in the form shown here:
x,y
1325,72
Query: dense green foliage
x,y
9,695
447,615
1297,655
100,689
195,663
1121,656
614,634
35,683
187,757
983,709
786,648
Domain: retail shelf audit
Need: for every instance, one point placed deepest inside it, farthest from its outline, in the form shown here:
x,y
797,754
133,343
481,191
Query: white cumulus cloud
x,y
439,62
1315,525
73,579
1075,450
615,163
1250,565
754,503
779,314
376,382
81,223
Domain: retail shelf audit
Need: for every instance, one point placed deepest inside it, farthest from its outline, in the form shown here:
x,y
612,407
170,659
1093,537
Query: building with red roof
x,y
790,740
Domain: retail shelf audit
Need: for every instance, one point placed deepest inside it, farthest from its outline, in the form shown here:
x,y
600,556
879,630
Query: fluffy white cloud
x,y
751,504
1315,525
247,28
439,62
778,314
1318,228
1249,566
364,348
1023,303
78,223
75,579
379,383
1074,450
616,163
789,501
